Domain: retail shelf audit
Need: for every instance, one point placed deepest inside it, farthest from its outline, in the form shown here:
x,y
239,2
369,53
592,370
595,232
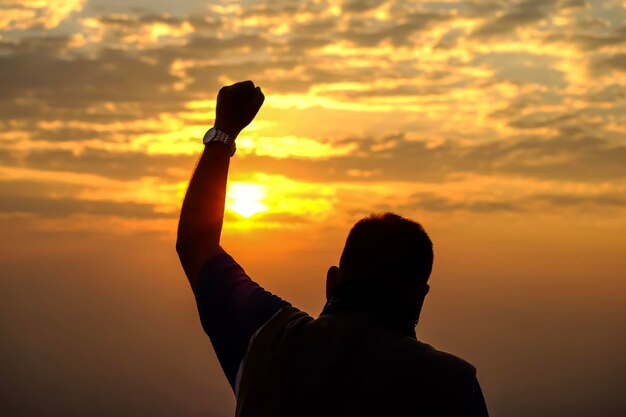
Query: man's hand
x,y
237,105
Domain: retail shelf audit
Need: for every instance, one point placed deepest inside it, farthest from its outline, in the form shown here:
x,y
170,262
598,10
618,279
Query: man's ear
x,y
332,281
419,293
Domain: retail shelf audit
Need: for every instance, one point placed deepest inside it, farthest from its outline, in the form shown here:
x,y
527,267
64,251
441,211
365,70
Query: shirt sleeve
x,y
232,307
479,407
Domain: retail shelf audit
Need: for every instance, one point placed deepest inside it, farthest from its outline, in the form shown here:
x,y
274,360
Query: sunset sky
x,y
499,125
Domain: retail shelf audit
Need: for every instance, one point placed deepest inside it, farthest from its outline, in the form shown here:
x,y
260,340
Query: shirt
x,y
234,309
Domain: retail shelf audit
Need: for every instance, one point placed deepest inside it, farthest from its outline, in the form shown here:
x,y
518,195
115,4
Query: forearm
x,y
202,213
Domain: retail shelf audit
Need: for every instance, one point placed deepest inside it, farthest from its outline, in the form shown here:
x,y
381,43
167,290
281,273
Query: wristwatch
x,y
216,135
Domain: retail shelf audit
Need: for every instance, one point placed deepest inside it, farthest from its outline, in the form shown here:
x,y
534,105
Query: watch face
x,y
210,135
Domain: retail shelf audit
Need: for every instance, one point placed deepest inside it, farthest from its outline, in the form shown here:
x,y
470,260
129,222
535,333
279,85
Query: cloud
x,y
521,14
615,62
573,200
433,202
132,31
71,86
367,32
273,9
610,94
573,4
541,120
52,207
592,41
565,158
114,165
440,203
36,14
357,6
571,155
95,102
35,198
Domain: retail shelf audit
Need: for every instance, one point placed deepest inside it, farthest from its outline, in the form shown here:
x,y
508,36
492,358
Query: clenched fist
x,y
237,105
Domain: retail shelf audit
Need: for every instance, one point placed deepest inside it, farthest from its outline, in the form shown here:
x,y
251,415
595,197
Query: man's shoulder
x,y
415,354
287,319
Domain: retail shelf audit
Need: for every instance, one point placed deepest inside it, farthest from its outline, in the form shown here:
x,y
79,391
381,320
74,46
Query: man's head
x,y
384,268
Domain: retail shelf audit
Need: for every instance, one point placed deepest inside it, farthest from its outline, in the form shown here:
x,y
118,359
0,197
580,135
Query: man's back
x,y
349,364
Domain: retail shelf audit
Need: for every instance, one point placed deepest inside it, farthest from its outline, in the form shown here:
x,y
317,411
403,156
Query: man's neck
x,y
401,325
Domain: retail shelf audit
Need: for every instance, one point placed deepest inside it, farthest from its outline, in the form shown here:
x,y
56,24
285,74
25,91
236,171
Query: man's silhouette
x,y
361,356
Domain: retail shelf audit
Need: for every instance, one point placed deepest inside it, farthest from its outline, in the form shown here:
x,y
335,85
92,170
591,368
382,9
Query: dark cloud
x,y
42,79
370,32
615,62
321,27
590,41
450,39
71,84
46,45
520,14
564,157
572,200
272,9
433,202
26,188
569,157
517,105
142,19
481,8
283,8
610,94
438,203
358,6
573,4
522,68
541,120
50,207
76,134
133,85
205,23
139,84
115,165
35,198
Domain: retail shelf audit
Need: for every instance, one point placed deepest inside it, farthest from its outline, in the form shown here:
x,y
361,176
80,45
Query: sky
x,y
499,125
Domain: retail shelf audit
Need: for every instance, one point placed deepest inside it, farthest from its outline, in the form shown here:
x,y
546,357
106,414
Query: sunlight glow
x,y
245,199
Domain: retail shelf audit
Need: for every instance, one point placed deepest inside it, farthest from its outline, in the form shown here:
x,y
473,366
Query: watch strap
x,y
216,135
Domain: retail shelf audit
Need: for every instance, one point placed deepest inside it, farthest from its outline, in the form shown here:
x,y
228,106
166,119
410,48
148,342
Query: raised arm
x,y
202,214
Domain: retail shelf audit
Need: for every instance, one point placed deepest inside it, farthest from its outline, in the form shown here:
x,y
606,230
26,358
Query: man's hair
x,y
386,256
387,251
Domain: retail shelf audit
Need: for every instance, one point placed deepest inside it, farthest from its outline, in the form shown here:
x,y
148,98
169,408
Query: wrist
x,y
215,135
231,132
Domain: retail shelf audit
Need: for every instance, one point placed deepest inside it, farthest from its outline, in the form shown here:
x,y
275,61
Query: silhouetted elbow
x,y
193,251
184,249
183,245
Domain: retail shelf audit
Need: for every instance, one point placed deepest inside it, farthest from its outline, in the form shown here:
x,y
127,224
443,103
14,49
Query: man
x,y
361,356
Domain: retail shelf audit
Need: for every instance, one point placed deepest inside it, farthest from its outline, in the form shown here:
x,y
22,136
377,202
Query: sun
x,y
246,199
